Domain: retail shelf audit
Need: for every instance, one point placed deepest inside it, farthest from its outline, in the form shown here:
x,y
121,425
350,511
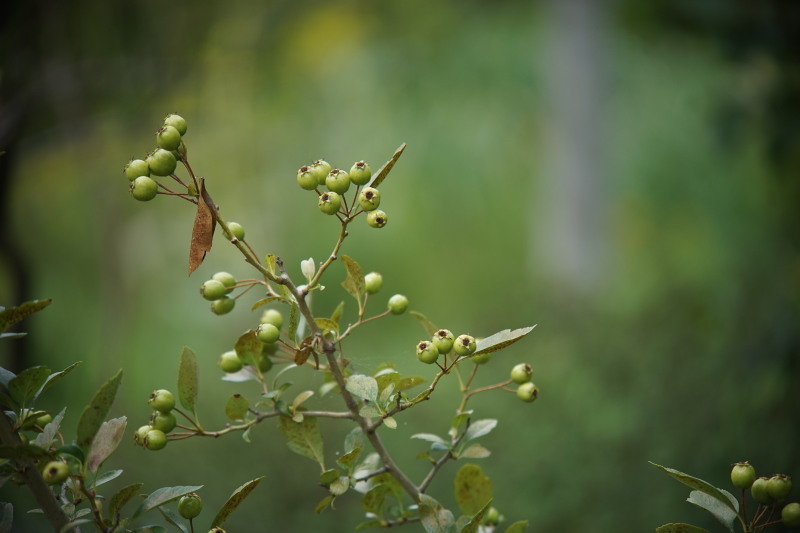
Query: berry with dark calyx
x,y
136,168
141,433
338,181
223,306
272,316
189,506
790,514
527,392
165,422
377,218
55,472
464,345
162,400
360,173
373,282
144,188
177,122
306,178
229,362
320,169
742,475
427,352
236,230
329,203
369,199
759,491
444,340
779,486
155,439
398,304
226,279
161,162
213,289
168,138
268,333
521,373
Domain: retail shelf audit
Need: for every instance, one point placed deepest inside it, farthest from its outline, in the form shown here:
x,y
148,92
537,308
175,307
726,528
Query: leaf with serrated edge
x,y
382,172
11,315
303,438
235,501
517,527
472,489
724,514
480,428
95,413
501,339
365,387
680,528
434,517
426,324
354,282
699,484
164,495
105,442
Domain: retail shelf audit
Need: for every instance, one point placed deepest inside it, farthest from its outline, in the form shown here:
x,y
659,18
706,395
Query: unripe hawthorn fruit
x,y
136,168
373,282
177,122
369,199
229,362
492,516
320,169
398,304
272,316
306,178
155,439
161,162
464,345
213,289
168,138
165,422
521,373
377,219
360,173
223,306
444,340
527,392
55,472
330,202
189,506
141,433
779,486
162,400
758,490
790,514
338,181
427,352
268,333
144,188
226,279
742,475
236,230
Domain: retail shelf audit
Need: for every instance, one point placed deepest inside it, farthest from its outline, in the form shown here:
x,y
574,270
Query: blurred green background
x,y
622,174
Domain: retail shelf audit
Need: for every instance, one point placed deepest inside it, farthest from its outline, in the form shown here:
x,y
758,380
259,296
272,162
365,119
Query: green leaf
x,y
365,387
188,379
354,281
235,501
267,300
336,316
294,322
95,413
328,476
375,498
476,451
382,172
517,527
410,382
107,476
303,438
23,387
354,439
501,339
324,504
172,517
426,324
164,495
54,378
472,489
702,486
327,324
340,486
6,376
474,522
300,398
390,422
434,517
723,513
248,347
11,315
49,432
236,407
680,528
349,459
70,526
105,442
480,428
438,442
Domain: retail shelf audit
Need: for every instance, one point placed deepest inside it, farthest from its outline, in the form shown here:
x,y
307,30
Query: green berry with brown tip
x,y
144,188
521,373
742,475
464,345
360,173
427,352
165,422
338,181
369,199
377,218
189,506
330,202
155,440
444,340
306,178
527,392
136,168
162,400
55,472
320,169
226,279
161,162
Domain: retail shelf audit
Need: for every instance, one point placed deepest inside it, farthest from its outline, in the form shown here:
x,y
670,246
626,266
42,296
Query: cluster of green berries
x,y
442,343
521,374
337,182
153,435
161,161
770,491
268,332
217,289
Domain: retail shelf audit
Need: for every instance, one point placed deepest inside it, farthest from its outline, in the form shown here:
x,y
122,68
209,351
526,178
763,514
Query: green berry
x,y
162,400
165,422
180,152
360,173
527,392
168,138
189,506
320,169
263,361
272,316
482,358
759,491
338,181
236,230
55,472
223,306
492,516
427,352
779,486
373,282
369,199
44,419
226,279
398,304
377,218
144,188
141,433
329,203
268,333
155,439
177,122
229,362
444,340
213,289
136,168
790,514
522,373
161,162
306,178
464,345
742,475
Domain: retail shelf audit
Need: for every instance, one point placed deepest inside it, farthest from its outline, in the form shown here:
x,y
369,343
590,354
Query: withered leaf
x,y
203,230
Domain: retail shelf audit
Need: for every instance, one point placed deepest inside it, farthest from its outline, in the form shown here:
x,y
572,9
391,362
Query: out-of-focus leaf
x,y
11,315
410,382
340,486
517,527
236,407
164,495
73,450
53,378
680,528
723,513
354,439
147,529
349,459
324,504
23,452
438,442
48,434
328,476
23,387
476,451
122,497
6,376
374,500
472,489
501,339
354,281
72,524
365,387
95,413
336,316
434,517
480,428
235,501
107,476
390,422
304,438
248,347
203,229
105,442
327,324
188,379
267,300
300,398
702,486
172,517
12,335
382,172
473,522
294,322
426,324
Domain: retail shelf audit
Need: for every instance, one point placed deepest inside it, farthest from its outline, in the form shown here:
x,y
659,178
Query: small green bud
x,y
398,304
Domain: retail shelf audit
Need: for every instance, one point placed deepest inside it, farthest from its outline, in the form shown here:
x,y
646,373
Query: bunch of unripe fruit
x,y
161,161
769,491
153,436
337,182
